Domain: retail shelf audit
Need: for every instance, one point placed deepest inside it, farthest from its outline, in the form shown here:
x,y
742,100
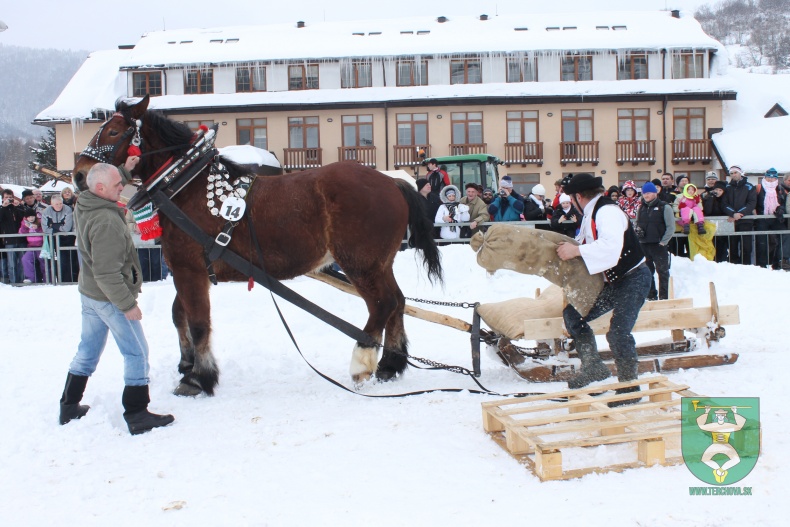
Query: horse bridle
x,y
106,153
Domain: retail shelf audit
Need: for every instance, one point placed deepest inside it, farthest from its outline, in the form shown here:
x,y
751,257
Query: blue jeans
x,y
99,318
624,298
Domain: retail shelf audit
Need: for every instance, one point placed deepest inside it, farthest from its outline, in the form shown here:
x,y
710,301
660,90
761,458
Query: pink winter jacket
x,y
32,241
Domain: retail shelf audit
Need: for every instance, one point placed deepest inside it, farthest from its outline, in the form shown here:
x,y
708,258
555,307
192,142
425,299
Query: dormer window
x,y
147,83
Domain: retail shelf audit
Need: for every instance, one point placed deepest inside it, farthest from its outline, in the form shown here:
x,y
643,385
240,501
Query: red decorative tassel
x,y
134,150
150,229
250,283
204,128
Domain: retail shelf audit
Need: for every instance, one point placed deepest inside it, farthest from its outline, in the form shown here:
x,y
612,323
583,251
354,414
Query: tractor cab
x,y
477,168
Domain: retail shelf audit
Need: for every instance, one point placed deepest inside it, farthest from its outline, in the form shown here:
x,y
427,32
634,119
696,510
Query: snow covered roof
x,y
749,139
97,84
598,30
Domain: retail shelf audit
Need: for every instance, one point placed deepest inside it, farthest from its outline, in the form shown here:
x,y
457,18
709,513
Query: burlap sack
x,y
507,318
534,251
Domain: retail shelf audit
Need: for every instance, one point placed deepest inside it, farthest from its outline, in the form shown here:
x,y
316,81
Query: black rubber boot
x,y
138,418
627,370
701,228
593,369
686,228
72,395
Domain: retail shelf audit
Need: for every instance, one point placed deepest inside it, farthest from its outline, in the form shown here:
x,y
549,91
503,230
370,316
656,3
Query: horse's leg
x,y
381,300
396,351
184,338
193,294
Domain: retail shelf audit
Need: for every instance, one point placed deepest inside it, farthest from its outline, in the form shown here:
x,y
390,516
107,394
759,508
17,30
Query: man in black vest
x,y
609,246
655,224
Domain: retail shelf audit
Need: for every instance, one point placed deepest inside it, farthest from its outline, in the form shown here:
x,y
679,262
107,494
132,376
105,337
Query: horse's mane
x,y
171,132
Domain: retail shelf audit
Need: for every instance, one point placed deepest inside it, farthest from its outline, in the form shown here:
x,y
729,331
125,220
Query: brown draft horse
x,y
343,213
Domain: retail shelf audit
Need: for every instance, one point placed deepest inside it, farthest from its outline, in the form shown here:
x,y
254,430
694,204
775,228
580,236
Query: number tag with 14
x,y
233,208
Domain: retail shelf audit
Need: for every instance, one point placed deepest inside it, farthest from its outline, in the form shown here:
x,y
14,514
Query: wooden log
x,y
649,320
416,312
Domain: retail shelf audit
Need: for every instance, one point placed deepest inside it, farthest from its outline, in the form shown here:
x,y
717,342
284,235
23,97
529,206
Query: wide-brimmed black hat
x,y
584,181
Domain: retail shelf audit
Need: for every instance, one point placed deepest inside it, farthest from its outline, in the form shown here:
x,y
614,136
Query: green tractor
x,y
475,168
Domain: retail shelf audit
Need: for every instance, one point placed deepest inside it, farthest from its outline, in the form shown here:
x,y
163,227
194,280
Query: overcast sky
x,y
92,25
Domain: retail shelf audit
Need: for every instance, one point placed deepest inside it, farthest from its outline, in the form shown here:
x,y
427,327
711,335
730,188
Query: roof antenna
x,y
164,28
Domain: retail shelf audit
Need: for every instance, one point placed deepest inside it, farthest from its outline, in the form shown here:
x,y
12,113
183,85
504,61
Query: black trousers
x,y
741,245
657,257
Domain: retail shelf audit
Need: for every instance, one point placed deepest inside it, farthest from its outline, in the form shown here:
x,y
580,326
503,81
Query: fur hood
x,y
443,194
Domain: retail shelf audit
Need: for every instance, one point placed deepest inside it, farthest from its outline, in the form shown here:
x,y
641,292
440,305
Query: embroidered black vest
x,y
630,255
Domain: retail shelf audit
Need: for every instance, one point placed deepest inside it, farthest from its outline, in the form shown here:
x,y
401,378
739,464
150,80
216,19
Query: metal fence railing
x,y
63,261
767,245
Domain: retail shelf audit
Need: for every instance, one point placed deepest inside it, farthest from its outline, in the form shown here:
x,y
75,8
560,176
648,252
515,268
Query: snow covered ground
x,y
278,445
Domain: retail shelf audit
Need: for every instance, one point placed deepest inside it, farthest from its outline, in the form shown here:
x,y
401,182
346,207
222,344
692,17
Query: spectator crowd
x,y
26,251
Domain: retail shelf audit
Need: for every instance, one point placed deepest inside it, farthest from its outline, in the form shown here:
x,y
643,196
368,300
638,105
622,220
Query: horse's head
x,y
111,142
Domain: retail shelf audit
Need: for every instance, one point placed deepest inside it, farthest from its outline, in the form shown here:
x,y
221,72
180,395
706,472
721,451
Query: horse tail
x,y
421,232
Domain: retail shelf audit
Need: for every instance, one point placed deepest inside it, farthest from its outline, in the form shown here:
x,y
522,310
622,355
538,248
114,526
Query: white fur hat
x,y
539,190
564,198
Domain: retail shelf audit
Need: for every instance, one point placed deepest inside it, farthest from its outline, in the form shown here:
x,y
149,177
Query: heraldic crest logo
x,y
720,437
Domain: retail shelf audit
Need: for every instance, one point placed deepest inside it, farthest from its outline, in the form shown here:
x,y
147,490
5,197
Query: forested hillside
x,y
30,80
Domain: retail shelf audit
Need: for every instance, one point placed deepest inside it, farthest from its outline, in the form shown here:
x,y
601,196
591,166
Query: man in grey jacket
x,y
655,224
110,280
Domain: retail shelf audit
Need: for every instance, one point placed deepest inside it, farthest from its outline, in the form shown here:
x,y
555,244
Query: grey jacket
x,y
54,221
110,270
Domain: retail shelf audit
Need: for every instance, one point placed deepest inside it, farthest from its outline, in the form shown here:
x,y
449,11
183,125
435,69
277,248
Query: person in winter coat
x,y
431,203
629,201
535,206
668,191
109,283
655,224
11,216
689,205
710,181
436,177
69,198
58,218
740,199
566,219
713,205
450,212
478,211
614,193
769,201
506,206
30,260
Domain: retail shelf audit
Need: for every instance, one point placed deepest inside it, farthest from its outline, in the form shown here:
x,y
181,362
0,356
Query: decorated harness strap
x,y
227,200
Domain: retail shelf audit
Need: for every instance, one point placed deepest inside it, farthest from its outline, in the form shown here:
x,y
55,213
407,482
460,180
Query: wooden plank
x,y
566,393
575,403
593,426
527,460
600,413
682,318
672,303
611,440
697,361
416,312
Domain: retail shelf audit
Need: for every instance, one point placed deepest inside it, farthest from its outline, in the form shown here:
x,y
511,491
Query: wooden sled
x,y
675,315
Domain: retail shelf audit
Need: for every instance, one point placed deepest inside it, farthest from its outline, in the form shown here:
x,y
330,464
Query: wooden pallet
x,y
538,431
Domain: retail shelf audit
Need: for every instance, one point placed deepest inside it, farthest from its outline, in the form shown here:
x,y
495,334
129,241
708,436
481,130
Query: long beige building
x,y
623,95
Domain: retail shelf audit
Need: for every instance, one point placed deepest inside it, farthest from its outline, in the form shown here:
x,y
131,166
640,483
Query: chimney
x,y
300,24
483,17
442,19
676,13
